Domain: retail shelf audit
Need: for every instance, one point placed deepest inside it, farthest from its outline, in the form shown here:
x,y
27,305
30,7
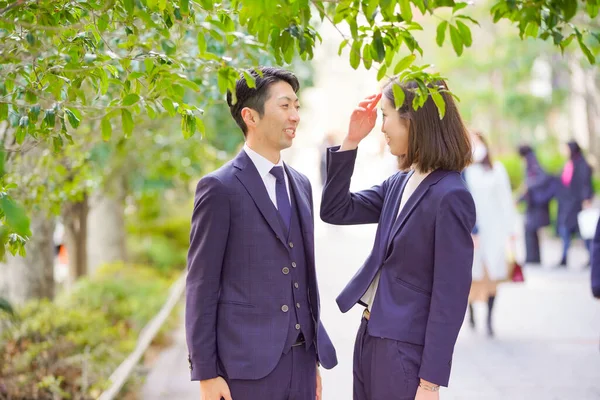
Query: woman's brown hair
x,y
433,143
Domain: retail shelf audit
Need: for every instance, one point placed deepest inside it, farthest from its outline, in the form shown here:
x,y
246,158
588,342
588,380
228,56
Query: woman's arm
x,y
453,260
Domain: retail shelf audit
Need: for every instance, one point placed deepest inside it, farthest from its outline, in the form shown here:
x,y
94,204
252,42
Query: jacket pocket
x,y
412,287
236,303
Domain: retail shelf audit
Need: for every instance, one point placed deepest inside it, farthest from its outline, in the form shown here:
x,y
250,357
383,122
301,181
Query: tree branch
x,y
13,5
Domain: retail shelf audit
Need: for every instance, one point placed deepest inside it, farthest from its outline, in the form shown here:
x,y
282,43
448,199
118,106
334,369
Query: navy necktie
x,y
283,201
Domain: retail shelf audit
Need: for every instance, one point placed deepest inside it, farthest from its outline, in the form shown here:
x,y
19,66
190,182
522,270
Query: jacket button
x,y
285,270
291,245
293,265
284,308
296,285
297,327
297,305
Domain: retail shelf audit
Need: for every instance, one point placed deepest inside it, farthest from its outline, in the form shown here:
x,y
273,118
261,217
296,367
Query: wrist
x,y
428,386
348,144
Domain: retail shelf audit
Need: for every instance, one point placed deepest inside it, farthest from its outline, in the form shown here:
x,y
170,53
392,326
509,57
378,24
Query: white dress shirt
x,y
413,183
264,167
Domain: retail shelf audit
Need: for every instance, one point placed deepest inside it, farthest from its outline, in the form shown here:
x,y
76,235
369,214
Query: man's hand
x,y
423,394
319,385
362,122
214,389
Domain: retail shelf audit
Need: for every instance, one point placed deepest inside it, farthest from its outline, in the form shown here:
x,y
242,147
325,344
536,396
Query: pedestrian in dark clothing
x,y
540,189
575,194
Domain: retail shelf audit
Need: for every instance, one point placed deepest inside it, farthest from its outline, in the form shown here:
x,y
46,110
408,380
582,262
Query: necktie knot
x,y
277,172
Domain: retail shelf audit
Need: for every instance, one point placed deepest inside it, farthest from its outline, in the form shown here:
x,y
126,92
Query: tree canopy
x,y
78,72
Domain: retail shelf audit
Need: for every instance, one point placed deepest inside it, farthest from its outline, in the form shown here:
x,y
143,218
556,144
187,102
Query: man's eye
x,y
285,105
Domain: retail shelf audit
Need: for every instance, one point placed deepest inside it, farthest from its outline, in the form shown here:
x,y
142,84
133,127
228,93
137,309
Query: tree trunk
x,y
106,229
578,106
75,221
32,276
593,113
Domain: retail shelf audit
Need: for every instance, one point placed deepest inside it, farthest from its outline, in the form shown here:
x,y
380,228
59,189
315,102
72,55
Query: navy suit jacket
x,y
595,261
235,289
425,256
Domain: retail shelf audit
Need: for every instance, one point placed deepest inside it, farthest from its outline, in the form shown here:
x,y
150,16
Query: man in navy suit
x,y
252,301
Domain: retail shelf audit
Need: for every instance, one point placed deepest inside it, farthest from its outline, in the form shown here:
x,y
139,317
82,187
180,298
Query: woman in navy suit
x,y
575,193
415,283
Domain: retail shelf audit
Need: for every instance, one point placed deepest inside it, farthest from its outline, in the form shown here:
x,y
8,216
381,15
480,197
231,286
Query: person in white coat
x,y
490,187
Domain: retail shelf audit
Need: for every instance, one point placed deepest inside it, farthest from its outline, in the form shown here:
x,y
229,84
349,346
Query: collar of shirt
x,y
263,165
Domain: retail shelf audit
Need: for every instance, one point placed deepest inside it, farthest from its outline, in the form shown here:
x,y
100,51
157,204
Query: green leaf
x,y
592,10
405,10
20,135
569,9
50,118
474,21
532,29
106,128
129,6
465,33
103,22
184,5
127,121
74,119
439,102
6,307
250,80
585,49
355,54
57,143
201,42
441,33
398,95
342,45
366,56
168,105
378,46
404,63
207,4
130,99
458,7
3,111
381,72
200,125
151,111
456,39
15,216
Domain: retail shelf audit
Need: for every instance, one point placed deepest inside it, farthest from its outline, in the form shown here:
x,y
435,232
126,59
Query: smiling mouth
x,y
290,132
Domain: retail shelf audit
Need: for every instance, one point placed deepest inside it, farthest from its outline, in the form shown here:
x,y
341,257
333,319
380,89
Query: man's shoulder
x,y
222,176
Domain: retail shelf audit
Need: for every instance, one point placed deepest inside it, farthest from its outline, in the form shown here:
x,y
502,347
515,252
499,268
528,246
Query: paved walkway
x,y
546,346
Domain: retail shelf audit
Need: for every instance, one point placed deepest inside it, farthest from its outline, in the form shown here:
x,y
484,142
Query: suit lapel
x,y
302,200
250,178
412,202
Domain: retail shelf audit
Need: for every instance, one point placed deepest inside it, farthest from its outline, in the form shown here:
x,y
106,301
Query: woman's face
x,y
395,128
479,149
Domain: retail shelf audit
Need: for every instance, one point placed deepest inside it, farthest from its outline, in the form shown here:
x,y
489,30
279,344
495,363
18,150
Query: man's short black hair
x,y
255,98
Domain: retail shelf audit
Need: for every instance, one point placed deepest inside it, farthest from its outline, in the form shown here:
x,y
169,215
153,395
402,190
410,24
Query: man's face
x,y
277,126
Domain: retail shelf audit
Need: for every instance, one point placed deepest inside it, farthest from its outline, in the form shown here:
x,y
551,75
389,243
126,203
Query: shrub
x,y
68,348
